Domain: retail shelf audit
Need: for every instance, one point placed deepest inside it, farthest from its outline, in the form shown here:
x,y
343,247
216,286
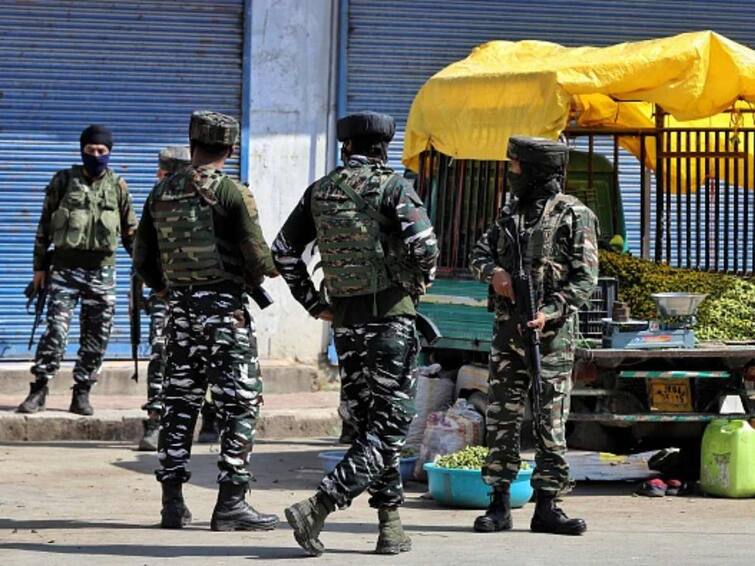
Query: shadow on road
x,y
42,524
154,551
293,470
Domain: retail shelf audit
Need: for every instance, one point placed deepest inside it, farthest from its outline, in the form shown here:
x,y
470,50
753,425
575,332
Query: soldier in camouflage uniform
x,y
378,253
200,244
86,209
558,243
171,159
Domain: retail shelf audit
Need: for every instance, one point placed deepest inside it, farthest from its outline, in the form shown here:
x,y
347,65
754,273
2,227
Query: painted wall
x,y
292,108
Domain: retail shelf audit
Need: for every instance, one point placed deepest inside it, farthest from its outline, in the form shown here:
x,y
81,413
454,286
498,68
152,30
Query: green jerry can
x,y
728,459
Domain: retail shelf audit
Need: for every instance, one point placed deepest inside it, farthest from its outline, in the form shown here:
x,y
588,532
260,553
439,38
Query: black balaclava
x,y
543,171
533,187
535,182
98,135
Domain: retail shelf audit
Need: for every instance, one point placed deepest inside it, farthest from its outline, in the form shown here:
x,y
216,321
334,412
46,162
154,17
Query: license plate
x,y
670,395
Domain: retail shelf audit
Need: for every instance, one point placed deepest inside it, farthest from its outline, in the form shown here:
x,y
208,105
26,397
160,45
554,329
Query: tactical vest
x,y
88,216
353,255
539,249
190,252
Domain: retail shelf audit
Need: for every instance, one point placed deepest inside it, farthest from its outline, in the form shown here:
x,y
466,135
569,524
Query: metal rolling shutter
x,y
139,67
394,46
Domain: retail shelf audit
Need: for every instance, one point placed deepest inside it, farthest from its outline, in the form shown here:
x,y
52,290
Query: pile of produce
x,y
470,458
727,314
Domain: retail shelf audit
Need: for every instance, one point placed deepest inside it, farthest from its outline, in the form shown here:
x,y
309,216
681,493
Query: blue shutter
x,y
139,67
394,46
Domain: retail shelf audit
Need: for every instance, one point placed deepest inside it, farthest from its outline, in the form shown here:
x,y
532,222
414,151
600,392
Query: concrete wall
x,y
292,108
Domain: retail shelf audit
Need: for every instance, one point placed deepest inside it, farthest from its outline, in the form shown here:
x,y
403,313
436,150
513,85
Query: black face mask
x,y
534,183
518,184
95,165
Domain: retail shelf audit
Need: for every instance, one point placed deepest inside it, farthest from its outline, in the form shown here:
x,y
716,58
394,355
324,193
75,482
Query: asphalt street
x,y
88,503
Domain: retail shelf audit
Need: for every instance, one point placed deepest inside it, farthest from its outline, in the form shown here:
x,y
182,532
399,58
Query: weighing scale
x,y
673,327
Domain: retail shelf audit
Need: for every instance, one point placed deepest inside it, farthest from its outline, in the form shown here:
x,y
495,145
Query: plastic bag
x,y
448,432
435,392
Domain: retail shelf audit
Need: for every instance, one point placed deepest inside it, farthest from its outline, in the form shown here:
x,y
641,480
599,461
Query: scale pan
x,y
677,304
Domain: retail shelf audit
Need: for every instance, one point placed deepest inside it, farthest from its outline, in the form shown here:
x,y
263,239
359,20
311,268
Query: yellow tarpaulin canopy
x,y
471,108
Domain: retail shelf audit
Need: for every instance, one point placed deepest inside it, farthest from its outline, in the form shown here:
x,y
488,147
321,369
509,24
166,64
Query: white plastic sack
x,y
448,432
434,393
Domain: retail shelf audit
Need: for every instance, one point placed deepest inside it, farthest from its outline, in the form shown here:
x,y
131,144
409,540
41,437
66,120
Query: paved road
x,y
98,503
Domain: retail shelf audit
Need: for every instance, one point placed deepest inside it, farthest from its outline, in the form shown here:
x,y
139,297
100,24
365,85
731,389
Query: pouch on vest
x,y
348,236
108,223
189,248
87,217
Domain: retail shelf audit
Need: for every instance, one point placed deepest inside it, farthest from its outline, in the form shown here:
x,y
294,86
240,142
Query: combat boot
x,y
36,399
392,538
307,519
497,517
148,443
548,518
233,513
175,514
80,400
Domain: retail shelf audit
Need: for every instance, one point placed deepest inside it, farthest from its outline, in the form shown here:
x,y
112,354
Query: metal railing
x,y
704,200
695,204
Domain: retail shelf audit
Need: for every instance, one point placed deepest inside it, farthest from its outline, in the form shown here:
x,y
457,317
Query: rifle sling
x,y
363,205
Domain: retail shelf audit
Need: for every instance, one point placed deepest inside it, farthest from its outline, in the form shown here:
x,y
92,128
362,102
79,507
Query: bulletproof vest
x,y
88,217
182,209
353,255
536,243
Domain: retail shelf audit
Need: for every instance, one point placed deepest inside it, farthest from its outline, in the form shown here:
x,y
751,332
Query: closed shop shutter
x,y
394,46
140,67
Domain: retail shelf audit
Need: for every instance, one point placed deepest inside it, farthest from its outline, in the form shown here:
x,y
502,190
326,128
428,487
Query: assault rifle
x,y
525,307
135,319
40,294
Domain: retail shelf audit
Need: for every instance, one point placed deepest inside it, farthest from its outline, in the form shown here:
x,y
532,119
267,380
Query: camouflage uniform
x,y
83,266
375,335
565,264
211,341
380,410
171,159
206,255
157,309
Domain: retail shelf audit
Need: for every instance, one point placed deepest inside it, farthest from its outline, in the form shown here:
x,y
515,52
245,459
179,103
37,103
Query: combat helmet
x,y
213,128
538,151
366,124
174,157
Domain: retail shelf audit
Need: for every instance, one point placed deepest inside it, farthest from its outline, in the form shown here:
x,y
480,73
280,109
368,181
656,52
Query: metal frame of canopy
x,y
704,225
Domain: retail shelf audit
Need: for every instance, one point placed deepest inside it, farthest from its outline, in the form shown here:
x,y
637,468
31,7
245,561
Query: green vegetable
x,y
408,452
470,458
727,314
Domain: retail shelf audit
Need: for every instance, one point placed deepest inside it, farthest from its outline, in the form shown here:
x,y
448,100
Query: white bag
x,y
448,432
434,393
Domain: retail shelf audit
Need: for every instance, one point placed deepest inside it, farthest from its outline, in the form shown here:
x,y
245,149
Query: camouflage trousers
x,y
377,362
509,383
210,341
95,289
157,309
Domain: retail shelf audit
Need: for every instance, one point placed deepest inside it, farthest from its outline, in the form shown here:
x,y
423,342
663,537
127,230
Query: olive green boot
x,y
392,538
307,519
